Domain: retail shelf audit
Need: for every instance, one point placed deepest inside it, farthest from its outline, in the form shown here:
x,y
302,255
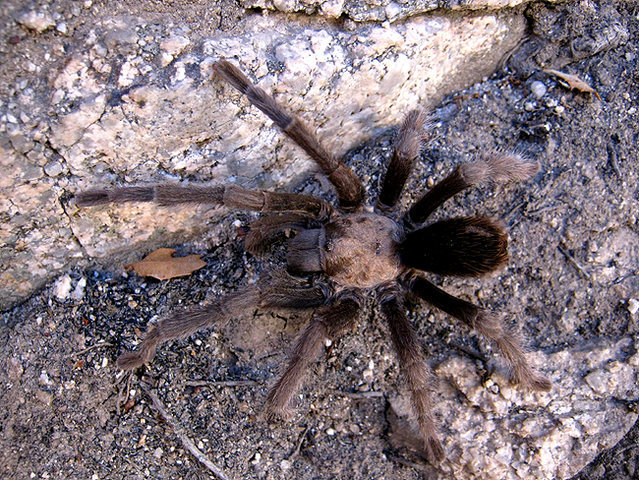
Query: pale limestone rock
x,y
38,21
62,287
509,433
376,10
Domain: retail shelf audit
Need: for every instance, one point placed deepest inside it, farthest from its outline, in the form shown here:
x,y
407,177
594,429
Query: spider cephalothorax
x,y
356,251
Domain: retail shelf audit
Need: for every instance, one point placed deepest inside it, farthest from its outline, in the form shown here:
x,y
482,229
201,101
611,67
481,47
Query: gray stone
x,y
537,435
38,21
538,89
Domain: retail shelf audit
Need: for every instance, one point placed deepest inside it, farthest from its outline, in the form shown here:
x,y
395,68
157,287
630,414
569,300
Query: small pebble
x,y
53,168
552,102
62,287
38,21
538,89
633,306
78,291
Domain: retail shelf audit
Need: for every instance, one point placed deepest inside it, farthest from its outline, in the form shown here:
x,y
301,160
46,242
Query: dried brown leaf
x,y
161,264
574,82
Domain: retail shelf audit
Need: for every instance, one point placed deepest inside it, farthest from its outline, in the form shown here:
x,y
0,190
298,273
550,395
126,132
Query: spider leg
x,y
327,322
405,150
231,196
497,167
349,188
421,380
276,290
487,324
266,230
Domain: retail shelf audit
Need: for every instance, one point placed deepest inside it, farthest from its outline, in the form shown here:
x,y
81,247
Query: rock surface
x,y
137,104
377,10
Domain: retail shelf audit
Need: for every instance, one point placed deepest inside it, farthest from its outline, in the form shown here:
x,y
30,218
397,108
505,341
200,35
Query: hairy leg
x,y
420,379
349,188
328,322
228,195
485,323
405,150
275,290
266,230
496,167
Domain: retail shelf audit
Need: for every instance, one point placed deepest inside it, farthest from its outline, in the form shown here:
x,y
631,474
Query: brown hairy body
x,y
354,252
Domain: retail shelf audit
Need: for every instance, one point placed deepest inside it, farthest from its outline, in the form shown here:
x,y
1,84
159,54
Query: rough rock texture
x,y
377,10
136,103
543,436
571,284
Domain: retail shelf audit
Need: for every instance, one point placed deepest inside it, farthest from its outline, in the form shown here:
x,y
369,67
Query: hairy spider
x,y
356,251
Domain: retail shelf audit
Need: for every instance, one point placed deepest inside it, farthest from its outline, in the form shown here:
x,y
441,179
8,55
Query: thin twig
x,y
631,447
358,395
408,463
298,448
539,210
124,398
222,383
88,349
574,262
179,431
612,158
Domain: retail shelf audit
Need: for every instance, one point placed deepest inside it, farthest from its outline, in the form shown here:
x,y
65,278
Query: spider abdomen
x,y
361,250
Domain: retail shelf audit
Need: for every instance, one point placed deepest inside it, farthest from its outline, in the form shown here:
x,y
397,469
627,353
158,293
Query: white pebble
x,y
538,89
78,291
633,305
38,21
62,287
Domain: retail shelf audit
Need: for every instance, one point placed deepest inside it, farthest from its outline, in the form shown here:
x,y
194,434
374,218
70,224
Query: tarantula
x,y
355,251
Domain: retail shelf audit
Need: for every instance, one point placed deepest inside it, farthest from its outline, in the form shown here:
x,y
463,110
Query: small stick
x,y
298,448
179,431
612,158
88,349
407,463
573,262
358,395
221,383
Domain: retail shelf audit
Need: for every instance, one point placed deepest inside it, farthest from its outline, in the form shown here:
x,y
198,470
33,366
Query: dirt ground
x,y
68,413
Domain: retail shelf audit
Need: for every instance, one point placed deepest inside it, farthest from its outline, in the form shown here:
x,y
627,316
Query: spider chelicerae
x,y
351,251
